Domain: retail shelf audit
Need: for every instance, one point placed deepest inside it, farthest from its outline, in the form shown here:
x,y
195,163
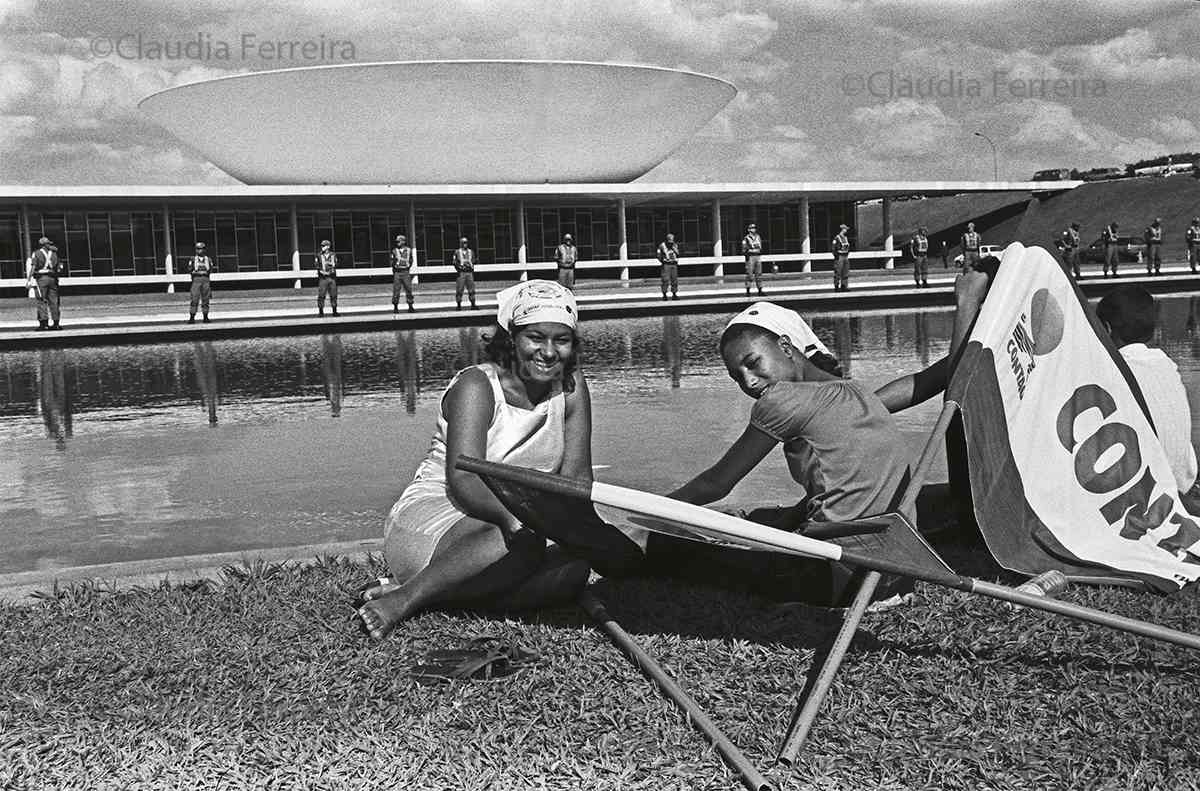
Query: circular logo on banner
x,y
1045,322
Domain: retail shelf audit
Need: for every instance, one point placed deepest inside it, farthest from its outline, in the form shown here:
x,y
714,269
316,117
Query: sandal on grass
x,y
371,590
483,658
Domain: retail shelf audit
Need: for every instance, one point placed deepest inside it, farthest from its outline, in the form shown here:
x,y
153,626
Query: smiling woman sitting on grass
x,y
448,540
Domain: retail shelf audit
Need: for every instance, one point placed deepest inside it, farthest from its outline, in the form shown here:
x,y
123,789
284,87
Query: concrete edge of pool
x,y
20,587
868,294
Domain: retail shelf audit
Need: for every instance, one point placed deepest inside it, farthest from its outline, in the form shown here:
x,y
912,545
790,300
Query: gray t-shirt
x,y
841,444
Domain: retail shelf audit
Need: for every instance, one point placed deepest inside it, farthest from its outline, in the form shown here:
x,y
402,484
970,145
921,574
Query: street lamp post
x,y
995,165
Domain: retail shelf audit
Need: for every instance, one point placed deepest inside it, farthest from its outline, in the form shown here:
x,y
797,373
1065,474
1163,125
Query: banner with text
x,y
1066,470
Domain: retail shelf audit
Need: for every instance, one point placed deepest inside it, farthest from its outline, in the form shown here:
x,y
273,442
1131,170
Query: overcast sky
x,y
828,89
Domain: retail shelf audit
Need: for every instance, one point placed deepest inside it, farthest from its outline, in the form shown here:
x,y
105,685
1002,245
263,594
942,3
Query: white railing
x,y
520,271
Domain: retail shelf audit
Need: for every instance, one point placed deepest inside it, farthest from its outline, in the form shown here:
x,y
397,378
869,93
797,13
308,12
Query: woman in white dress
x,y
448,540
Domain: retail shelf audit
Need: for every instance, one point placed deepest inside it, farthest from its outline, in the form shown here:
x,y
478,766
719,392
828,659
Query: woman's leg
x,y
471,563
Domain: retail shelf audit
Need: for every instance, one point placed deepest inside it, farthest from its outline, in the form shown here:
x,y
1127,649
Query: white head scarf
x,y
782,321
535,301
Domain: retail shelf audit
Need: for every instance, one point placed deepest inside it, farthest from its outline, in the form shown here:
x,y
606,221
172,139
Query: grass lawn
x,y
261,681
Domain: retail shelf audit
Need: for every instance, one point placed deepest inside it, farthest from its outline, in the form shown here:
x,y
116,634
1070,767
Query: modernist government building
x,y
510,154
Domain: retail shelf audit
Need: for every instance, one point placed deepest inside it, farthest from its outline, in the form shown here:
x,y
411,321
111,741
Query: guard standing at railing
x,y
1068,244
402,274
841,259
41,274
752,248
918,248
200,267
464,264
565,255
1109,237
668,259
970,245
1193,243
326,277
1154,236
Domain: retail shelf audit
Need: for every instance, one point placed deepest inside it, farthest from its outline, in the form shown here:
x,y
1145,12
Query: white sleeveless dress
x,y
425,511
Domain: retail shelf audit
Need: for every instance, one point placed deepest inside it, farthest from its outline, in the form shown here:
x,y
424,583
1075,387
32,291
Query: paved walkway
x,y
139,317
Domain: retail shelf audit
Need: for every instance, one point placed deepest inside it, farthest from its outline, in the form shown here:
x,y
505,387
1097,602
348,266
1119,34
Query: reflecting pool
x,y
121,453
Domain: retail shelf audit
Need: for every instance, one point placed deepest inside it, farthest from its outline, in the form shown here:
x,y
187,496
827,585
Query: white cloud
x,y
904,128
785,149
1174,129
1134,57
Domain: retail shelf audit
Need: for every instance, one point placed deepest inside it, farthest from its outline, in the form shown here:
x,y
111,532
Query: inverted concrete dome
x,y
441,122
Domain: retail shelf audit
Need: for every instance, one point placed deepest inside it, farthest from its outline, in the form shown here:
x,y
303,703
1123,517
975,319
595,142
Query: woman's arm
x,y
718,480
468,408
577,431
912,389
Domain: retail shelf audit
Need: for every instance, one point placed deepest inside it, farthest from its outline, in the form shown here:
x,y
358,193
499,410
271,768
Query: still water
x,y
122,453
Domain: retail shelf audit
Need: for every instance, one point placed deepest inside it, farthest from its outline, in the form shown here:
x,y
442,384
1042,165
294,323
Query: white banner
x,y
1089,464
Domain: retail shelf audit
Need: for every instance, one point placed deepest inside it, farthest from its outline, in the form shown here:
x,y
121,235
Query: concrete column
x,y
294,222
622,239
26,232
718,251
805,238
412,238
169,261
522,251
888,240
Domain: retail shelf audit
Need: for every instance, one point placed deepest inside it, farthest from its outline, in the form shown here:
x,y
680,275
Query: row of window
x,y
134,243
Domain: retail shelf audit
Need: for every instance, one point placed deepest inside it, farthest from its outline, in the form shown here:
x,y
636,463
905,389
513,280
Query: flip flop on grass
x,y
482,658
373,590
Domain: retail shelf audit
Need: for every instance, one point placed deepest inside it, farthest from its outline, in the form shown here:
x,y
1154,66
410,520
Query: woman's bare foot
x,y
382,613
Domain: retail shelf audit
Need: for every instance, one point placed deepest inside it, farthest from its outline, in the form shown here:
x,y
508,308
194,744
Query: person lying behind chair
x,y
448,540
841,443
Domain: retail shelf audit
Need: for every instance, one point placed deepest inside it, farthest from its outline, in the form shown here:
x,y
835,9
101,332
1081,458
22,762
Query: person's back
x,y
1128,313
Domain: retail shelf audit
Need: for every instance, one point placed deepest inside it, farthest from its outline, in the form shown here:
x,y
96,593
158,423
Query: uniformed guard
x,y
668,259
41,274
752,248
402,274
1193,243
918,247
565,255
1110,238
464,264
970,245
1068,243
200,267
841,259
1154,236
326,277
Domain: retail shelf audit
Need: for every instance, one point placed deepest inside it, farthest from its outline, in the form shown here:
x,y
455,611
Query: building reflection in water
x,y
205,357
55,387
672,348
889,332
1193,315
844,330
331,371
921,336
469,343
409,366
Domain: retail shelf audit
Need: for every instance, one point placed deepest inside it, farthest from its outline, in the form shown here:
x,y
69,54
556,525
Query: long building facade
x,y
111,235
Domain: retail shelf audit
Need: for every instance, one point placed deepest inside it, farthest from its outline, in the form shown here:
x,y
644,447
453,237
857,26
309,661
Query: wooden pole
x,y
750,776
810,706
